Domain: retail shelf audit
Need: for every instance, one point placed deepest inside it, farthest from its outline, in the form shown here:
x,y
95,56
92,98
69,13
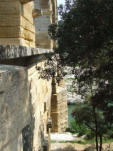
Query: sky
x,y
60,1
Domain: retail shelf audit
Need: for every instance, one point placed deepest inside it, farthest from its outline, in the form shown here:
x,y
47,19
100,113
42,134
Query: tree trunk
x,y
100,143
96,139
96,128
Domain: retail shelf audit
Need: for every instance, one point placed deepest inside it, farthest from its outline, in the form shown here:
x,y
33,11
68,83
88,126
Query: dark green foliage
x,y
74,126
85,29
94,119
85,40
80,128
90,116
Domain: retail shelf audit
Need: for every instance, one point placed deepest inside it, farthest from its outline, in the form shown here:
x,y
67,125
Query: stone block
x,y
59,109
27,35
13,52
9,20
17,22
55,124
10,32
14,105
41,27
43,41
27,11
26,24
9,7
40,93
12,41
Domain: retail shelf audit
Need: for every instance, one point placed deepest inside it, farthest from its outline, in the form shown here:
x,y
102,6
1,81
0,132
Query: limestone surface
x,y
17,24
14,106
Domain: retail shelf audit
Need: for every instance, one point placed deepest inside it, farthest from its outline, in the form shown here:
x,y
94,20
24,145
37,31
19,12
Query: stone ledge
x,y
11,51
10,68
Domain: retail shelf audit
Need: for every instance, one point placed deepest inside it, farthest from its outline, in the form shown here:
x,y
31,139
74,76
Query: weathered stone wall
x,y
27,28
49,15
25,99
19,17
16,25
14,107
15,52
40,95
59,112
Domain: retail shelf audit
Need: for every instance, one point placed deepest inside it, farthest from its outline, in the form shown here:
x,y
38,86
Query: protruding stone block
x,y
17,24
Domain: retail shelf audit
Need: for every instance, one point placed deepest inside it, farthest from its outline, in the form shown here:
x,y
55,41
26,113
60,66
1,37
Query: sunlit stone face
x,y
17,26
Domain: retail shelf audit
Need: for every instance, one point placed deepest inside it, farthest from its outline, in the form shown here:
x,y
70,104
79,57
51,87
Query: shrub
x,y
81,129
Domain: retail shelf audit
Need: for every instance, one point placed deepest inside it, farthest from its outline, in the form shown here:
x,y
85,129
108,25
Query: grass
x,y
106,140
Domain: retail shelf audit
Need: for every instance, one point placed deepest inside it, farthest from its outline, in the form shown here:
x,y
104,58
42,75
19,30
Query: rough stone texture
x,y
59,112
17,25
11,51
17,22
26,100
14,107
40,95
41,23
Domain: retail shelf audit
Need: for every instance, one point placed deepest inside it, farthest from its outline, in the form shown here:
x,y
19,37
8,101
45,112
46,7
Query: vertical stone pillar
x,y
54,109
54,11
48,16
59,110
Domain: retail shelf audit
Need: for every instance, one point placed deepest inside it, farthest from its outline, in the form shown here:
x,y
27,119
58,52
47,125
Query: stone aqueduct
x,y
28,102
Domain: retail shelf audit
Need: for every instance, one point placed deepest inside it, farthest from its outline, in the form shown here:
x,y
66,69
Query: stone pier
x,y
29,106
